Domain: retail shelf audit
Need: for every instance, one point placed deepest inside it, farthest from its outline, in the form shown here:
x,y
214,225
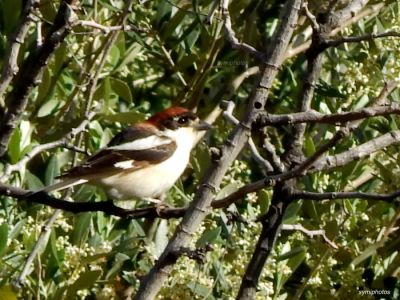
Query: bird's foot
x,y
153,200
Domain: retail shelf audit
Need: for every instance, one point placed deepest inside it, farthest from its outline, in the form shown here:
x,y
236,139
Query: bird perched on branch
x,y
144,160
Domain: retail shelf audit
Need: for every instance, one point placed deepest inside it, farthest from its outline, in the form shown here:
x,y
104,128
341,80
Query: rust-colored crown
x,y
167,113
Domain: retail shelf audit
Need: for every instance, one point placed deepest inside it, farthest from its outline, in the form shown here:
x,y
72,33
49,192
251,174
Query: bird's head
x,y
178,123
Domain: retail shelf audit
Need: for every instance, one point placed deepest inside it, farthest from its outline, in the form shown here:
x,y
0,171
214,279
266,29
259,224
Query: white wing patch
x,y
126,164
142,144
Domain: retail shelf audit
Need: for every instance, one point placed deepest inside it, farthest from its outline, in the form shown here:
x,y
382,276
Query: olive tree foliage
x,y
292,195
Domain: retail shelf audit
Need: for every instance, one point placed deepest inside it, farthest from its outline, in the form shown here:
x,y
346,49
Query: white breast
x,y
154,180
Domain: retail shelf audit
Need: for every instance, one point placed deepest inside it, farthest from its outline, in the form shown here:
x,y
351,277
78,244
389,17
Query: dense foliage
x,y
168,56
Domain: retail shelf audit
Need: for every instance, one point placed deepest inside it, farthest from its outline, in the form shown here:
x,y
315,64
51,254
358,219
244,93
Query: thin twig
x,y
211,12
370,11
311,17
44,147
228,115
365,37
108,29
310,233
30,72
37,249
346,195
111,39
233,40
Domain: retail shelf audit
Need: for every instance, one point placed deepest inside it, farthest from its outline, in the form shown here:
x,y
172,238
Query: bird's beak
x,y
201,126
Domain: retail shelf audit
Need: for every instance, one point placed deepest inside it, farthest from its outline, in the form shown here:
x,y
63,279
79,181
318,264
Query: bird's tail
x,y
63,184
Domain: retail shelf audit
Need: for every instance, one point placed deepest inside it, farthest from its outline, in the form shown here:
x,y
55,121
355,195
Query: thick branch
x,y
107,207
271,227
10,67
30,71
347,12
313,116
152,282
370,11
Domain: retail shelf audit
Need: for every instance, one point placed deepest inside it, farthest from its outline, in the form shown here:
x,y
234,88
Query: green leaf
x,y
14,146
47,10
200,289
361,102
44,86
129,57
7,293
53,247
161,238
81,228
228,189
17,229
48,108
52,170
114,56
325,89
11,11
3,237
34,183
121,88
309,146
264,200
208,237
291,212
85,280
384,172
292,253
124,117
106,137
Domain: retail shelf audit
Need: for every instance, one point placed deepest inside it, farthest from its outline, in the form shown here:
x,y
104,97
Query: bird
x,y
142,161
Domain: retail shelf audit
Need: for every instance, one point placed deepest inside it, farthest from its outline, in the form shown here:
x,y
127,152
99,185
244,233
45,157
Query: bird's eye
x,y
183,120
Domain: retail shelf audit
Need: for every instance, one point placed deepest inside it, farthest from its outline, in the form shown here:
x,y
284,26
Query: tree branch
x,y
228,114
273,219
371,11
310,233
391,197
30,71
108,29
313,116
44,147
233,40
10,67
357,39
152,282
356,153
347,12
107,207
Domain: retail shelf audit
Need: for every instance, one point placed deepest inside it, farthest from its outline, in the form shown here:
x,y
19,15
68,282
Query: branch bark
x,y
233,40
294,154
108,207
313,116
30,71
10,67
152,282
356,153
390,197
